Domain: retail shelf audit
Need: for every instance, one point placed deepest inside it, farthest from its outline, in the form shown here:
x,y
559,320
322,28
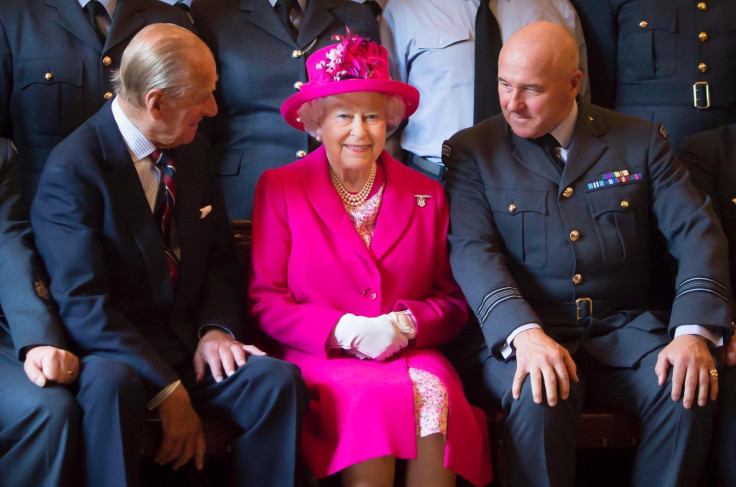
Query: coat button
x,y
296,53
107,95
624,204
370,294
577,279
643,24
702,6
733,201
106,61
301,153
703,67
703,36
298,85
49,76
574,235
568,192
512,208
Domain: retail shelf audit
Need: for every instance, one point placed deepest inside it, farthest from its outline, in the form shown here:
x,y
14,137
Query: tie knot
x,y
548,142
95,8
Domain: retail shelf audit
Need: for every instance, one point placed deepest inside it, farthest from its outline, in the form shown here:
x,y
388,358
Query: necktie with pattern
x,y
165,205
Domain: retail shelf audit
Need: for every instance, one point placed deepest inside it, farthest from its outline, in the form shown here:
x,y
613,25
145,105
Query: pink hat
x,y
355,64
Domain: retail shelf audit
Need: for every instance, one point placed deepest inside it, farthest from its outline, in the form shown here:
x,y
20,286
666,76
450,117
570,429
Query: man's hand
x,y
50,363
183,437
220,351
543,358
691,364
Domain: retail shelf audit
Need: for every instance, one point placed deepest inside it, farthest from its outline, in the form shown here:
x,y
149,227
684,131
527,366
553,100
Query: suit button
x,y
643,24
512,208
733,201
568,192
703,36
107,95
577,279
106,61
296,53
301,153
298,85
370,294
702,6
624,204
703,67
574,235
49,76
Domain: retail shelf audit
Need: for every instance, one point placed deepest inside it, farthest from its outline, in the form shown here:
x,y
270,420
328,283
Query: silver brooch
x,y
422,199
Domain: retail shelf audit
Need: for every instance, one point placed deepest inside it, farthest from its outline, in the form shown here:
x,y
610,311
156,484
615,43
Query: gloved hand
x,y
376,338
404,322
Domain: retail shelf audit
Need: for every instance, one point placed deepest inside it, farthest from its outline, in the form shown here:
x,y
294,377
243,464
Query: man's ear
x,y
154,100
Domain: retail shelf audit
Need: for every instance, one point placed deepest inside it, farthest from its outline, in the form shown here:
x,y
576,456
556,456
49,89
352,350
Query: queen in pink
x,y
351,280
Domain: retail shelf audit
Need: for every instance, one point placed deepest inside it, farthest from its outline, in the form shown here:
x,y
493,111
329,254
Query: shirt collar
x,y
174,2
563,132
138,146
302,4
110,5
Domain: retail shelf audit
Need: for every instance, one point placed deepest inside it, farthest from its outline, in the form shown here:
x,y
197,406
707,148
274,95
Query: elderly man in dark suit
x,y
35,410
553,208
261,47
56,63
131,224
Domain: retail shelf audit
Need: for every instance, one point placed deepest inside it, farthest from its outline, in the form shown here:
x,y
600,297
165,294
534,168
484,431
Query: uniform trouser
x,y
265,399
38,431
540,440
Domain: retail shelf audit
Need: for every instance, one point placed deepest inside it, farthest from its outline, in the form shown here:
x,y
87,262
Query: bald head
x,y
538,78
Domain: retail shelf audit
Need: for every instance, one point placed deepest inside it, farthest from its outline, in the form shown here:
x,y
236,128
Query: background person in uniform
x,y
56,68
349,263
551,211
132,227
672,62
260,47
431,45
38,417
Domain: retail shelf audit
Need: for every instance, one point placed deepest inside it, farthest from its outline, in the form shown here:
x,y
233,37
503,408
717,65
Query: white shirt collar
x,y
563,132
110,5
302,4
174,2
138,146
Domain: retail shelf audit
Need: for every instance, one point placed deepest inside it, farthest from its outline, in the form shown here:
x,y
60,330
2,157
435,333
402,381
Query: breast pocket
x,y
51,94
620,215
443,58
646,46
521,219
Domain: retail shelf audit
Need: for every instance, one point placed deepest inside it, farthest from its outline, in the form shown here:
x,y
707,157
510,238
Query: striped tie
x,y
164,208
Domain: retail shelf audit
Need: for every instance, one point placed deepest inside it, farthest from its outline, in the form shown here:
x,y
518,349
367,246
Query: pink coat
x,y
310,267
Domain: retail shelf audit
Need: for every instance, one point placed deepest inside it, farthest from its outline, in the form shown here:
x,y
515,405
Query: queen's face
x,y
353,129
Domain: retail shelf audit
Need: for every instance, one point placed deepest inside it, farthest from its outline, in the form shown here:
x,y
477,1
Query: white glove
x,y
375,338
404,322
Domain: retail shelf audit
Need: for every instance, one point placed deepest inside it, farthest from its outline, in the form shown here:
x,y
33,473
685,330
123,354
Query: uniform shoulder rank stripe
x,y
615,177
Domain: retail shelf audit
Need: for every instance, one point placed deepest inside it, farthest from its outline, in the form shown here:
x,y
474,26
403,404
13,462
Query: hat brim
x,y
291,105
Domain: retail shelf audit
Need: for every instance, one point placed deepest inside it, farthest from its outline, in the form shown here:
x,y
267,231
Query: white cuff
x,y
507,350
714,336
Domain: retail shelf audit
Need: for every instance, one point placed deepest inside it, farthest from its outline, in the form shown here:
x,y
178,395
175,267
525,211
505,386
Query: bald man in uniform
x,y
552,210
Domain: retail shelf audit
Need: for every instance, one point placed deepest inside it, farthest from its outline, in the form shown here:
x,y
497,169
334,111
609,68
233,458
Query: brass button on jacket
x,y
301,153
702,6
577,279
49,76
574,235
512,208
643,24
106,61
107,95
703,36
703,67
568,192
624,204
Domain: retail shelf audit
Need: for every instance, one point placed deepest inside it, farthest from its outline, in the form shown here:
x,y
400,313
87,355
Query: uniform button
x,y
577,279
702,6
703,67
643,24
624,204
296,53
703,36
568,192
298,85
301,153
370,294
106,61
441,41
107,95
512,208
733,201
574,235
49,76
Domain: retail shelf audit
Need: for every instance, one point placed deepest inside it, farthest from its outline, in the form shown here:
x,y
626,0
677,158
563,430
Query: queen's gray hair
x,y
312,113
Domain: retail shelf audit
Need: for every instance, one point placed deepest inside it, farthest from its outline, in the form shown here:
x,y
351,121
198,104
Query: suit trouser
x,y
540,440
266,399
38,430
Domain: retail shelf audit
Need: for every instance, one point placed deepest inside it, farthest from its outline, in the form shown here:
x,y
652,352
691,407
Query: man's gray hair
x,y
161,57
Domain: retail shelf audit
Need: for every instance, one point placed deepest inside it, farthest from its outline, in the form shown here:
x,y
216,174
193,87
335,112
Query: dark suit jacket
x,y
512,215
643,58
257,68
711,158
27,314
105,255
53,39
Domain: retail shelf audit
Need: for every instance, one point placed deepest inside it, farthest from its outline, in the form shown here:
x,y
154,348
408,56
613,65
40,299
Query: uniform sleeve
x,y
6,81
702,161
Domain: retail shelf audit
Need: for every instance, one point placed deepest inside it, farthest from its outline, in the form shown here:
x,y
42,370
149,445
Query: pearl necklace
x,y
354,199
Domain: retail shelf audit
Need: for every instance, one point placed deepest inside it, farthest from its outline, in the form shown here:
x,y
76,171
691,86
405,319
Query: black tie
x,y
550,144
487,46
94,9
284,9
183,6
374,6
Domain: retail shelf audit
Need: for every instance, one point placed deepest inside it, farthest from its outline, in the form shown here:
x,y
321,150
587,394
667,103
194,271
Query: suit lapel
x,y
135,213
71,17
189,183
130,10
397,208
261,14
586,148
316,20
531,156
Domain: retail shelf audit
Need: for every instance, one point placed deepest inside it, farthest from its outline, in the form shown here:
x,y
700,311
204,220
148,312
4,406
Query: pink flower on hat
x,y
355,57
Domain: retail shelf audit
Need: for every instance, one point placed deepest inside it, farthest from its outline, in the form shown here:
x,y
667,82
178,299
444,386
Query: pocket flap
x,y
622,197
517,200
430,39
661,18
227,163
49,71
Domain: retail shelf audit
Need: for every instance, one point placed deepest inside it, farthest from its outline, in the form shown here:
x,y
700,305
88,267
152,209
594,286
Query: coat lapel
x,y
261,14
316,20
397,208
130,10
586,148
189,185
71,17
